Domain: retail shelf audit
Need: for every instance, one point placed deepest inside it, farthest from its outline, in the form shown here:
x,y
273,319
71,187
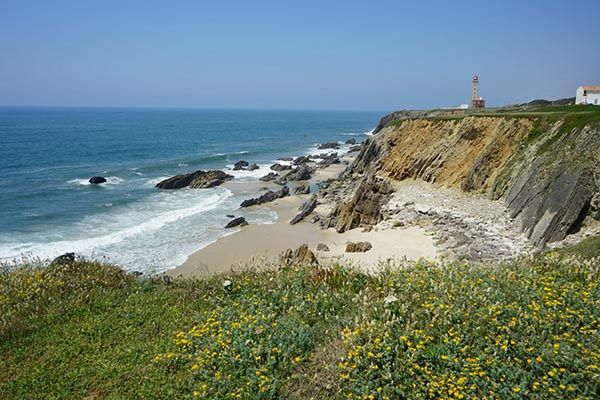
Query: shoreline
x,y
266,242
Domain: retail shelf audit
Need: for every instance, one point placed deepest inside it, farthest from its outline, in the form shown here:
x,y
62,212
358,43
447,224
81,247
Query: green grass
x,y
421,330
586,249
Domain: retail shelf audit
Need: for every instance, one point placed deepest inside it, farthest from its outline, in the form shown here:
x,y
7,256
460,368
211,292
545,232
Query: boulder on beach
x,y
302,189
329,145
239,221
253,167
197,180
278,167
301,160
355,148
302,173
322,247
305,209
358,247
267,197
301,256
285,158
329,159
95,180
240,165
269,177
351,141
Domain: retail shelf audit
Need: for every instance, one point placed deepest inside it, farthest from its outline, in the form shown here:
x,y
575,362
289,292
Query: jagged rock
x,y
267,197
240,165
301,160
329,145
302,189
230,216
365,206
358,247
305,209
278,167
351,141
285,159
66,258
239,221
95,180
196,180
329,160
302,173
301,256
269,177
354,148
253,167
322,247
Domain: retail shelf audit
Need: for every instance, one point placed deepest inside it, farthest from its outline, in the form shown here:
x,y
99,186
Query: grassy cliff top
x,y
426,330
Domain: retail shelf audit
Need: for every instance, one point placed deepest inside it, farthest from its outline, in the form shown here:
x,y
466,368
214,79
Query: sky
x,y
354,55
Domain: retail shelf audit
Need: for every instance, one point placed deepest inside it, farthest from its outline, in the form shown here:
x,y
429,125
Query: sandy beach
x,y
266,242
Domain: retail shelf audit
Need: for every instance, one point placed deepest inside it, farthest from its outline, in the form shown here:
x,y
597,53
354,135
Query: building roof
x,y
592,88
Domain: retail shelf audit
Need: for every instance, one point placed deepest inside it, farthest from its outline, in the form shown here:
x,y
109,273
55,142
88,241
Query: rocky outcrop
x,y
301,256
196,180
322,247
239,221
365,206
63,259
269,177
358,247
301,173
351,141
302,189
240,165
278,167
252,167
306,208
267,197
329,145
301,160
95,180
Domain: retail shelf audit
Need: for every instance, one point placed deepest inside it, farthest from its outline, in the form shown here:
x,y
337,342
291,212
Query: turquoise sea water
x,y
47,156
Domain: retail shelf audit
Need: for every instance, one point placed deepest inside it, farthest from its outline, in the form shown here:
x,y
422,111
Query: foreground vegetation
x,y
424,330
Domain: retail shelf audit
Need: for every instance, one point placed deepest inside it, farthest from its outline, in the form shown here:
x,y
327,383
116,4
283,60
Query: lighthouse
x,y
476,100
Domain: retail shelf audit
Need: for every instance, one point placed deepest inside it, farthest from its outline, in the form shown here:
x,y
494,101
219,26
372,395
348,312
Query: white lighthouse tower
x,y
476,100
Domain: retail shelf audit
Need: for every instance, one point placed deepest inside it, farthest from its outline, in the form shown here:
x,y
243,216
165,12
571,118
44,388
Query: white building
x,y
588,95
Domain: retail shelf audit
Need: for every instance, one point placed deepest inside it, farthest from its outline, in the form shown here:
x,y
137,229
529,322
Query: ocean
x,y
47,155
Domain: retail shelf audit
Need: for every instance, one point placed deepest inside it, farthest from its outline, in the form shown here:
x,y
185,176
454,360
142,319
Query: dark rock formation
x,y
240,165
239,221
365,206
351,141
253,167
95,180
358,247
329,145
267,197
355,148
269,177
305,209
230,216
301,160
66,258
329,159
285,159
322,247
302,173
196,180
278,167
301,256
302,189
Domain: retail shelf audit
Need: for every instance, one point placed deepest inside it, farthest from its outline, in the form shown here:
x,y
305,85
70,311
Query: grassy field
x,y
450,330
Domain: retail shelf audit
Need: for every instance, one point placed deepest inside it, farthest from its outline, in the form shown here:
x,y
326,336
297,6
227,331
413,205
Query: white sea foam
x,y
182,165
368,133
248,175
110,180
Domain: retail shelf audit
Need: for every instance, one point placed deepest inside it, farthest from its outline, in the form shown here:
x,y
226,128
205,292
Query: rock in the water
x,y
302,189
351,141
196,180
267,197
285,159
358,247
329,145
253,167
278,167
66,258
269,177
329,159
94,180
355,148
240,165
322,247
305,209
239,221
302,173
301,256
230,216
301,160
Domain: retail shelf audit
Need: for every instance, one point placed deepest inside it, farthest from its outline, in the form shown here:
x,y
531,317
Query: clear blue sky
x,y
379,55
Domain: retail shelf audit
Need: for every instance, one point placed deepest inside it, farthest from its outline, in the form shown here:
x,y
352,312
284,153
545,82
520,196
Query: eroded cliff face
x,y
546,173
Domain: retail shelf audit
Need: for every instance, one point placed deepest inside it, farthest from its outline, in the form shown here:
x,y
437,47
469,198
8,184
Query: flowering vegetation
x,y
419,331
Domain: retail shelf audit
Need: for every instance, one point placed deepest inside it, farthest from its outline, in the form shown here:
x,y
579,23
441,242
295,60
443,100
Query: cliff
x,y
543,163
